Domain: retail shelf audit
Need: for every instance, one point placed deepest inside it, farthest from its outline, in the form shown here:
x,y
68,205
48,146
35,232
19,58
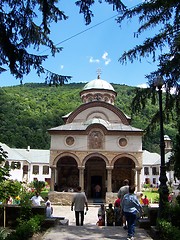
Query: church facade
x,y
96,145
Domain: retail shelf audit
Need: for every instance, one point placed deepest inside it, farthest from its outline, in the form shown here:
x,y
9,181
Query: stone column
x,y
81,177
138,169
53,169
134,176
109,178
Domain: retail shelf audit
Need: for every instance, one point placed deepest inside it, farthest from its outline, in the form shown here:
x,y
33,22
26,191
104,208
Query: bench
x,y
54,221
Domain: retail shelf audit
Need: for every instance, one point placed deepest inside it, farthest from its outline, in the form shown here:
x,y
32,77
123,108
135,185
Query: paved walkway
x,y
90,231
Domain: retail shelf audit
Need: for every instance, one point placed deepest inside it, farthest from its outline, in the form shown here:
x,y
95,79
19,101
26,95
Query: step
x,y
144,223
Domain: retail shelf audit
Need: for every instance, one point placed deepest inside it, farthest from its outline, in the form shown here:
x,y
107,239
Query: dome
x,y
98,84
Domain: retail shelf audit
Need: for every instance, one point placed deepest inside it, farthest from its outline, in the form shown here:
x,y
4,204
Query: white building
x,y
31,164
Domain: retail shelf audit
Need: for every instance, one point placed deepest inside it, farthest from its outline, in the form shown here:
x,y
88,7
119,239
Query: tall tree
x,y
164,17
4,169
25,25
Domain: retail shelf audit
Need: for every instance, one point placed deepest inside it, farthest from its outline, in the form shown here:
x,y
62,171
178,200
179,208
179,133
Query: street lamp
x,y
163,189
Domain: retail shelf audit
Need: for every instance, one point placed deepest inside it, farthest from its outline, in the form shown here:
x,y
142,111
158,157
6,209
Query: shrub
x,y
167,231
3,233
39,185
26,229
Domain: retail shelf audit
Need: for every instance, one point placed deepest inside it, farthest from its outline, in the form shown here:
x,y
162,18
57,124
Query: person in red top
x,y
145,201
118,201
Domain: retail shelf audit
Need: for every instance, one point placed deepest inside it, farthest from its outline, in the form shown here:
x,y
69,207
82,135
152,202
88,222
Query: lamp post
x,y
163,189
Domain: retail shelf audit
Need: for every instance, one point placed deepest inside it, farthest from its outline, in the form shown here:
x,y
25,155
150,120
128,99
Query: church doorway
x,y
95,175
96,183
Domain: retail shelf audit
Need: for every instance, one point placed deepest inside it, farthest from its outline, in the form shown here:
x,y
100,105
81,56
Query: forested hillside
x,y
28,111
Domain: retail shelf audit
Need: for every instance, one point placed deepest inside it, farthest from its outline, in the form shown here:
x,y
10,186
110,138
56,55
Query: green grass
x,y
152,196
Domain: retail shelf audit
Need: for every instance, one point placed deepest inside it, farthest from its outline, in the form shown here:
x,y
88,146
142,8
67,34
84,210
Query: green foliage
x,y
28,111
169,227
38,185
152,195
163,18
26,229
167,231
9,188
4,169
25,25
3,233
175,159
26,206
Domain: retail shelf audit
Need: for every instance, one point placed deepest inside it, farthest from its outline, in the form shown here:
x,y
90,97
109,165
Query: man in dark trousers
x,y
122,191
79,201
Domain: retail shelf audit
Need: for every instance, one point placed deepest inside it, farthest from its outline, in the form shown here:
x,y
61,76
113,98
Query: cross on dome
x,y
98,73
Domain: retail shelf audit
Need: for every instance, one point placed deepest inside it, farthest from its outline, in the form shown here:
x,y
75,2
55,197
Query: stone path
x,y
90,231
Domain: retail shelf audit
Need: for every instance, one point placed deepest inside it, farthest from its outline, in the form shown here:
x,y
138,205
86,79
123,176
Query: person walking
x,y
131,206
122,191
79,201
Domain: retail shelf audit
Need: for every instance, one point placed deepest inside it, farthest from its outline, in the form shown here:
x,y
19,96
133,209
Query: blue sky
x,y
98,47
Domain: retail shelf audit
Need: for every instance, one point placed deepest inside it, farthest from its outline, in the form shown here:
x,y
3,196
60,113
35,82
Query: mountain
x,y
28,111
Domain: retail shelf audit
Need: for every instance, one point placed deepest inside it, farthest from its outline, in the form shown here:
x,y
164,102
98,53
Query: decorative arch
x,y
100,114
127,156
66,154
92,155
125,120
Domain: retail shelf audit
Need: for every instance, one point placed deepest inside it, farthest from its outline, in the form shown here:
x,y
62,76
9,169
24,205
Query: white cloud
x,y
62,66
92,60
143,85
104,56
106,59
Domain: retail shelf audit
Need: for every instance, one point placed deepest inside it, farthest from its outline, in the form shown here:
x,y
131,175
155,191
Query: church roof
x,y
98,84
77,126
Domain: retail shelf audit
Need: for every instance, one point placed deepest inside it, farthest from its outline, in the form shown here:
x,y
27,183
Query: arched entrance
x,y
95,174
123,169
67,174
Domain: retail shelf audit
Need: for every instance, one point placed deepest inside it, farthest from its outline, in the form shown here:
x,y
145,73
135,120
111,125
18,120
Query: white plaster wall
x,y
16,174
105,114
134,143
111,143
39,176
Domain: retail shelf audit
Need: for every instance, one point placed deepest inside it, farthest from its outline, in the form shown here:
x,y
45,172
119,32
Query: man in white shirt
x,y
36,200
79,201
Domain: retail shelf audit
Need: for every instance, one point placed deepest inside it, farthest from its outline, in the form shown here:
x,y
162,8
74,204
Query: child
x,y
101,215
110,215
49,210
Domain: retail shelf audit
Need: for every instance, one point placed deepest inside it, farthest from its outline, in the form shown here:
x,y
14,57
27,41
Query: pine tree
x,y
25,25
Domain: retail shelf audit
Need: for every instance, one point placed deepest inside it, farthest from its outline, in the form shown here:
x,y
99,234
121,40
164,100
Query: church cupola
x,y
98,90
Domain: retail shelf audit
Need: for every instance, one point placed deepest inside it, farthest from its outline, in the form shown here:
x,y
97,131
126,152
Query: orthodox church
x,y
96,145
